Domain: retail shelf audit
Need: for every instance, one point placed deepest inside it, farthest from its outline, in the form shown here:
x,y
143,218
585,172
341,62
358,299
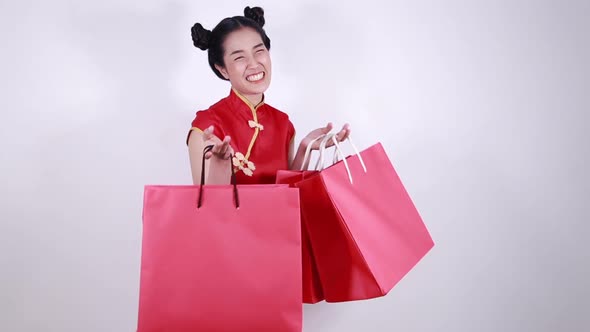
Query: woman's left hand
x,y
340,136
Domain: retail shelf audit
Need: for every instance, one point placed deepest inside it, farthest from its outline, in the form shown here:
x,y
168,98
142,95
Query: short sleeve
x,y
290,133
202,121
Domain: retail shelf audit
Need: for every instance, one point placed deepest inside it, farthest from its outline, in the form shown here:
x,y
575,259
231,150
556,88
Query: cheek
x,y
265,59
234,69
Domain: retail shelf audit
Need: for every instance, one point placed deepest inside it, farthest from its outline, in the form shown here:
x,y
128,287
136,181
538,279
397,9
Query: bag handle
x,y
233,179
339,150
308,151
356,151
320,165
338,153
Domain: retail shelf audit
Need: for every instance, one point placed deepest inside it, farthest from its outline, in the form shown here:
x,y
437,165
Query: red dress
x,y
260,135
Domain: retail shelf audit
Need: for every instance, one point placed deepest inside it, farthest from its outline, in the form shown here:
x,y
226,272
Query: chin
x,y
258,89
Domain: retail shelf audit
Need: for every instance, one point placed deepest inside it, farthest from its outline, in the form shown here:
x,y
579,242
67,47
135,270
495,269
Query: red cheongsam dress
x,y
260,135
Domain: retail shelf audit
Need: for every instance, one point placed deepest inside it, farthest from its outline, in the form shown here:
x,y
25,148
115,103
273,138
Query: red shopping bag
x,y
364,229
219,258
312,288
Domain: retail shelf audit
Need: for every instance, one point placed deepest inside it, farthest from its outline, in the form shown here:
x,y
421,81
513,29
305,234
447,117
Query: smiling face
x,y
247,64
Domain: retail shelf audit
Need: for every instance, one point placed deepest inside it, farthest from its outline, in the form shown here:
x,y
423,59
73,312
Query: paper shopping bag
x,y
219,258
364,229
312,288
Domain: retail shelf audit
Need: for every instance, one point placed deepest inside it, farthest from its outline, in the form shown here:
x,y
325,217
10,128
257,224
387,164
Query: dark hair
x,y
213,40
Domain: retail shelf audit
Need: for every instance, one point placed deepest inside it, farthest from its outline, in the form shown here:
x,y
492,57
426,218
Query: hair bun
x,y
200,36
256,14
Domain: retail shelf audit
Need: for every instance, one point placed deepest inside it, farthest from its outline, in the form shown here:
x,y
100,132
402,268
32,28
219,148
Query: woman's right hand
x,y
221,149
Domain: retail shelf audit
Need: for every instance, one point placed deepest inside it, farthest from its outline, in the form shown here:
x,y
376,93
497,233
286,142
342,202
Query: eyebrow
x,y
241,51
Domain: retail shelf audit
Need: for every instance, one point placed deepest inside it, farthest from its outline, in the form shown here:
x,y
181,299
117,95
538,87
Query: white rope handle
x,y
339,152
320,162
308,151
356,151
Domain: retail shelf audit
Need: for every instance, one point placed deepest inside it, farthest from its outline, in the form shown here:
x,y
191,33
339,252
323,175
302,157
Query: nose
x,y
252,62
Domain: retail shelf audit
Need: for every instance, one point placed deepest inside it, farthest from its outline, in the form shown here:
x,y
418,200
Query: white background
x,y
482,107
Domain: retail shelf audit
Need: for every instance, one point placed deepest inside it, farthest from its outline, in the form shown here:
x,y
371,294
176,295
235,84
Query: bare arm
x,y
296,158
217,163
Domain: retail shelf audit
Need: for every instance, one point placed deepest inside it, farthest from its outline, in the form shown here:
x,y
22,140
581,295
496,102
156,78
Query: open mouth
x,y
255,77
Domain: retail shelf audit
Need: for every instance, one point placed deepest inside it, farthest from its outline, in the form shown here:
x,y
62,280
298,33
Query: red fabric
x,y
366,236
312,288
270,151
218,268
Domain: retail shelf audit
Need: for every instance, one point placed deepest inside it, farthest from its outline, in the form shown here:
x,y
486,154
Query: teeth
x,y
256,77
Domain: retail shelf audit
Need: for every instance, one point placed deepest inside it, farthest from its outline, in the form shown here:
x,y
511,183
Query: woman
x,y
258,136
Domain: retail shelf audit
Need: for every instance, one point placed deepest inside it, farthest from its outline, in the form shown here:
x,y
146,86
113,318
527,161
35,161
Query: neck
x,y
254,99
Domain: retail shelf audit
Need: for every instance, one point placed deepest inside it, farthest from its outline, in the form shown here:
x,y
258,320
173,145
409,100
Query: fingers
x,y
208,134
341,135
221,149
229,153
344,133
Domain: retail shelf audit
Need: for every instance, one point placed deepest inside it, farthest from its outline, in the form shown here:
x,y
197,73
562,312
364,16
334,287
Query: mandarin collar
x,y
238,98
